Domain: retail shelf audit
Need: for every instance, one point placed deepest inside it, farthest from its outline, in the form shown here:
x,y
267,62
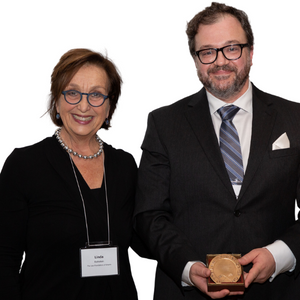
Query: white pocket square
x,y
282,142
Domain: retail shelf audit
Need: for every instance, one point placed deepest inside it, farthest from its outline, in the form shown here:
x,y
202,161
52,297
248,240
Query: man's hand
x,y
199,274
263,265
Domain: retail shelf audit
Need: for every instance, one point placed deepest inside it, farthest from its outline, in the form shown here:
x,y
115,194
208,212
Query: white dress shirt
x,y
242,122
283,256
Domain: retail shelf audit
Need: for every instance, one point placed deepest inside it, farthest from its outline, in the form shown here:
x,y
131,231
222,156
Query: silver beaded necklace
x,y
69,150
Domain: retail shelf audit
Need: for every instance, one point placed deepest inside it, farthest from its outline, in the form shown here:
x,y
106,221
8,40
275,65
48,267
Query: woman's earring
x,y
57,116
106,121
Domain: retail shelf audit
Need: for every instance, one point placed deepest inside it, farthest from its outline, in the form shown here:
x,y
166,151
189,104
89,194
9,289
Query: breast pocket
x,y
284,152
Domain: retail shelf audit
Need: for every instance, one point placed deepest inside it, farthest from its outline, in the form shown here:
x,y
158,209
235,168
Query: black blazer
x,y
186,207
41,213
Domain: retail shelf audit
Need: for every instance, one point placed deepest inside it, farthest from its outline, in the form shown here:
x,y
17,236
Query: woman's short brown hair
x,y
211,15
68,66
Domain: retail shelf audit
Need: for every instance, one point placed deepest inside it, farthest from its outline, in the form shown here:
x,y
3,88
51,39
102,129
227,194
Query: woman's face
x,y
82,119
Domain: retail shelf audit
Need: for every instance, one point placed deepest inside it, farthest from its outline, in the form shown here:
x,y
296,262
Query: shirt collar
x,y
244,102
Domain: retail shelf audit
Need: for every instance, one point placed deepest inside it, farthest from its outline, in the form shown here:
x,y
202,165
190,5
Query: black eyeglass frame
x,y
221,49
87,95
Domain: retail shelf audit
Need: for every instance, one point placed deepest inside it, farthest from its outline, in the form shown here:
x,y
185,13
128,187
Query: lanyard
x,y
84,210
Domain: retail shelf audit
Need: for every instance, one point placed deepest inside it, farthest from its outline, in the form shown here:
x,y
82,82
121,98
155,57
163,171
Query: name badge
x,y
99,261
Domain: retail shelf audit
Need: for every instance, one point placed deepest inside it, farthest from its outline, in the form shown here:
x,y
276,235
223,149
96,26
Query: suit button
x,y
237,213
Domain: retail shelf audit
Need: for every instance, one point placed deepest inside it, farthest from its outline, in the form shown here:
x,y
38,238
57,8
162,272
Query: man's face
x,y
225,79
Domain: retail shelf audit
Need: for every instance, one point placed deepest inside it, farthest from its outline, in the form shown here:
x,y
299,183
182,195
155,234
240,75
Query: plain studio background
x,y
147,42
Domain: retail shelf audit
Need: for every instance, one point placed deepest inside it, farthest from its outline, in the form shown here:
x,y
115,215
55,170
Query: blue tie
x,y
230,145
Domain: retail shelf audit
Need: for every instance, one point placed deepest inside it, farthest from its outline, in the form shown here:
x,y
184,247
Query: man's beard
x,y
226,90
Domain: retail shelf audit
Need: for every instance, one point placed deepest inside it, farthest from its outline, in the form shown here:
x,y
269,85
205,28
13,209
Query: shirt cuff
x,y
185,277
284,258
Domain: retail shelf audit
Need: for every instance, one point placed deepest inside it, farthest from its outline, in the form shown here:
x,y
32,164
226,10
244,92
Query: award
x,y
226,272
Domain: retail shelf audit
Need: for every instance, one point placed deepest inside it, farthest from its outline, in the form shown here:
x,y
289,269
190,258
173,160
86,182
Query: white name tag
x,y
103,261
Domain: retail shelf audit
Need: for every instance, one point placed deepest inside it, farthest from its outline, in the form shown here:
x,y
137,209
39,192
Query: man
x,y
194,197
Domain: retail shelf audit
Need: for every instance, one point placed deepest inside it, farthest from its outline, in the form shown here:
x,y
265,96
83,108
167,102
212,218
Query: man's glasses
x,y
94,99
230,52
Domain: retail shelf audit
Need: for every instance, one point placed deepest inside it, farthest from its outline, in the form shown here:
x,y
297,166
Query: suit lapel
x,y
60,161
264,117
198,116
110,178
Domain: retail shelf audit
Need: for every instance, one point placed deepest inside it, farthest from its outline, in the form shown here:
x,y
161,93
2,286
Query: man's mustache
x,y
215,69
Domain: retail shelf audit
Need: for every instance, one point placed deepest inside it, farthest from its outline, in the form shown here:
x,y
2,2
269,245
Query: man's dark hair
x,y
211,15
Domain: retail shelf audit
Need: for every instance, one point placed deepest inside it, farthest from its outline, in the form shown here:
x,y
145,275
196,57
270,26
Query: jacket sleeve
x,y
290,236
13,220
153,214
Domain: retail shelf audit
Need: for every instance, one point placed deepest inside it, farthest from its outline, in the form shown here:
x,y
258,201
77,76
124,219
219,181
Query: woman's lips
x,y
82,119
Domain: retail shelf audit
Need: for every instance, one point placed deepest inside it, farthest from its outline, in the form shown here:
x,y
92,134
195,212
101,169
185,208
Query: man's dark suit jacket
x,y
41,213
186,207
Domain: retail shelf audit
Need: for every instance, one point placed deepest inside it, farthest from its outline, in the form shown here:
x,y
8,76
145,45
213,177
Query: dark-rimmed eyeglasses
x,y
230,52
94,99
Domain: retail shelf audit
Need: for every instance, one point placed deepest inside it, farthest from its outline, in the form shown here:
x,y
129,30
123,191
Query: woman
x,y
67,201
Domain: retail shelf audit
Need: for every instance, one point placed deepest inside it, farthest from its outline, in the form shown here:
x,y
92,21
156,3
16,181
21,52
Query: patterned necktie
x,y
230,145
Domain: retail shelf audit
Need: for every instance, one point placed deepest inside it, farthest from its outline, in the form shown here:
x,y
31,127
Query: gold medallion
x,y
225,268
